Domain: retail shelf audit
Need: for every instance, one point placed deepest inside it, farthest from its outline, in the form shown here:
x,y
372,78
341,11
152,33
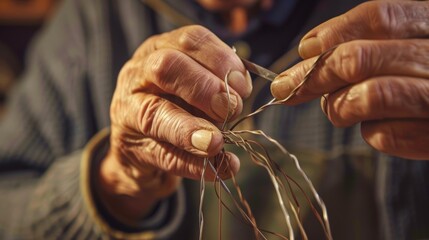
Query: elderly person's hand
x,y
378,76
168,100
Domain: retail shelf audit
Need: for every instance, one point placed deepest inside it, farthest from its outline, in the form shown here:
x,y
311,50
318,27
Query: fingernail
x,y
310,47
324,104
282,87
201,139
219,104
240,83
249,85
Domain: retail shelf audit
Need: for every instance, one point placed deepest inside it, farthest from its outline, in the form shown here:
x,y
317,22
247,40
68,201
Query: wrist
x,y
129,194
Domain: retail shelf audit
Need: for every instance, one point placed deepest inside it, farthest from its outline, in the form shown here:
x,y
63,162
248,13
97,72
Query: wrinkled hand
x,y
378,75
163,113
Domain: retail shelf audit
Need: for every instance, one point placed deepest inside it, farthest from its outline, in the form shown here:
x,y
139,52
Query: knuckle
x,y
383,17
410,95
227,61
163,121
147,115
167,157
369,100
171,163
201,89
183,131
380,97
191,38
360,104
351,107
351,62
418,56
162,65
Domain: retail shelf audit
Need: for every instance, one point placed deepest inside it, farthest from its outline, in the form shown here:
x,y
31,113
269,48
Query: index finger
x,y
352,63
370,20
205,48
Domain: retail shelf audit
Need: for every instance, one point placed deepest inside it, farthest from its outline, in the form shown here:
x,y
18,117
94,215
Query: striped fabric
x,y
63,101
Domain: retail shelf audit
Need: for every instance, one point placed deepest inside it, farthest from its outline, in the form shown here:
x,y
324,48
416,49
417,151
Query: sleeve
x,y
45,160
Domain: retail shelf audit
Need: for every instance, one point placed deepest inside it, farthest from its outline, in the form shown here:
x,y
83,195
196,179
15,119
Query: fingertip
x,y
310,47
282,87
240,82
324,104
226,106
216,143
234,162
249,85
207,142
227,166
374,134
223,104
405,138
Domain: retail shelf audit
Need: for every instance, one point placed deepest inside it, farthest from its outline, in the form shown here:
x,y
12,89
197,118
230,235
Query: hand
x,y
377,76
167,99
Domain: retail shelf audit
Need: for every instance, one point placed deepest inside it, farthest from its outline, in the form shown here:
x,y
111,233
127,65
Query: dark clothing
x,y
63,101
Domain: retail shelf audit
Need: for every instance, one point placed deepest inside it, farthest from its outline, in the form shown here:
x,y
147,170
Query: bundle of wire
x,y
284,186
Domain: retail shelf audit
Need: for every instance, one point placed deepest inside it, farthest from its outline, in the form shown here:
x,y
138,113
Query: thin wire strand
x,y
202,190
265,162
307,76
217,178
302,173
263,159
273,102
225,187
310,184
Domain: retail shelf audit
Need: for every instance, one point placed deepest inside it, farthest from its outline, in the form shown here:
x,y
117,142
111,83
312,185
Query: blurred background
x,y
19,21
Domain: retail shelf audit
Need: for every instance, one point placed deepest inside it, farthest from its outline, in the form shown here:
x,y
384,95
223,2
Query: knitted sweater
x,y
47,160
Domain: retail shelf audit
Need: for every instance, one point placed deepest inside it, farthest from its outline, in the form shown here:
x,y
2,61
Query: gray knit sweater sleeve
x,y
52,115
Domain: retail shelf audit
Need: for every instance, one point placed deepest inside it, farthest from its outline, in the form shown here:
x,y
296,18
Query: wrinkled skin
x,y
173,88
378,76
168,98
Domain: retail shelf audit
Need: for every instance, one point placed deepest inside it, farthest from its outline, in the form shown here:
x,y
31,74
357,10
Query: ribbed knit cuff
x,y
161,224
